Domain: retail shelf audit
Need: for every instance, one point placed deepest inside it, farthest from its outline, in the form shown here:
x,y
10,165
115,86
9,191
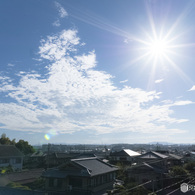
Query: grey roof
x,y
55,172
9,151
131,152
22,177
160,155
38,154
174,156
152,155
73,155
125,152
80,167
95,166
65,155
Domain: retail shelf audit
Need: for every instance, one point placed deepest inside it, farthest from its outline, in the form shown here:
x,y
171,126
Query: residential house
x,y
57,158
173,159
189,156
151,173
81,176
154,157
11,156
24,177
37,159
124,156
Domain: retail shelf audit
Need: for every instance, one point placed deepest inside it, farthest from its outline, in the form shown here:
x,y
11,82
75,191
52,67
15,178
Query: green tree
x,y
4,140
24,147
178,171
17,186
190,166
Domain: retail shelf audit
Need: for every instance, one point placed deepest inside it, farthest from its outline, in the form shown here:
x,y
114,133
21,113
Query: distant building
x,y
11,156
189,156
57,158
124,156
81,176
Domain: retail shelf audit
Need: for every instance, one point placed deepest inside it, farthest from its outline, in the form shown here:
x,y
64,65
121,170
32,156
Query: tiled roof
x,y
38,154
125,152
65,155
95,166
174,156
9,150
155,168
55,172
131,152
80,167
160,155
22,177
152,155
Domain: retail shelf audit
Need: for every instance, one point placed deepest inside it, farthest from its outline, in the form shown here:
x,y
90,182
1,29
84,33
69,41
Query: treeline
x,y
22,145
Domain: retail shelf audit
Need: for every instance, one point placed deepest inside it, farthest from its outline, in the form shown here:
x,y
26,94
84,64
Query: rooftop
x,y
95,166
9,150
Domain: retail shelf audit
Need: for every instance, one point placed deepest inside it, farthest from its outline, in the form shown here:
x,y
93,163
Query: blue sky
x,y
97,71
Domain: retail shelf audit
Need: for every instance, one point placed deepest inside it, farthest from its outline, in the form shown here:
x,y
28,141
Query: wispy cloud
x,y
182,103
192,89
62,12
74,96
56,23
159,80
10,64
124,81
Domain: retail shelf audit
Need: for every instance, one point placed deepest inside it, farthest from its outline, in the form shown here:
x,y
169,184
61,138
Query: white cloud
x,y
74,96
182,103
192,89
159,80
124,81
62,12
56,23
10,64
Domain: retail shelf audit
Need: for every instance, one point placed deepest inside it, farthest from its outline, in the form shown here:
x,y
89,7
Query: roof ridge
x,y
88,158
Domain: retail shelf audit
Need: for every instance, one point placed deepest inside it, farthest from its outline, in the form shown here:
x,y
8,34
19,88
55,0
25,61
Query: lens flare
x,y
47,137
50,134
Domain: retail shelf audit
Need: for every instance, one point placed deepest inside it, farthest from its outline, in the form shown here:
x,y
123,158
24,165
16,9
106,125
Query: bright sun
x,y
158,48
156,51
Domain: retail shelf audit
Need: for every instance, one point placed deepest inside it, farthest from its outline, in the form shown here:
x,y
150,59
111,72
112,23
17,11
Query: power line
x,y
140,185
179,188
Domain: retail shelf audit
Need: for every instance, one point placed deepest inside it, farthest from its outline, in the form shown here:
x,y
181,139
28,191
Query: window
x,y
4,160
18,160
51,182
59,183
75,182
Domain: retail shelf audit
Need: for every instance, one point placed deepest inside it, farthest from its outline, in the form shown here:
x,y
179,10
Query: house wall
x,y
14,162
144,176
57,184
74,183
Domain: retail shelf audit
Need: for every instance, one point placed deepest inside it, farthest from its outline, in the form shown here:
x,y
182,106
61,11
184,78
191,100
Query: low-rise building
x,y
81,176
124,156
151,156
11,156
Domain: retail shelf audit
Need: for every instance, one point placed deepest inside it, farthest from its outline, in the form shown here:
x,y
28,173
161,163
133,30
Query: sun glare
x,y
158,48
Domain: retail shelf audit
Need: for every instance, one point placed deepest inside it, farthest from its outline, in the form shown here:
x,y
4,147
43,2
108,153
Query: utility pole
x,y
48,152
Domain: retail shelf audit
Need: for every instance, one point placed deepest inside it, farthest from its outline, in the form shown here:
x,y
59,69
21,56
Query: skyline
x,y
97,72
